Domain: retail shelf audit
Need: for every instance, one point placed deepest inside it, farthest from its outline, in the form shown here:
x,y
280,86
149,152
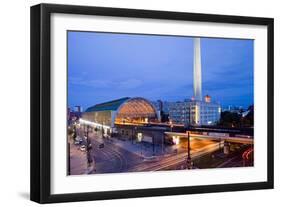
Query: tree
x,y
235,119
230,119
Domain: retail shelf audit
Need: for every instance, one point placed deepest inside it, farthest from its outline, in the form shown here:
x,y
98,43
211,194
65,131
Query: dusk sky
x,y
106,66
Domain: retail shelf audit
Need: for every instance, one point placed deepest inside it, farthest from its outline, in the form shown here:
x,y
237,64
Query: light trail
x,y
176,159
242,140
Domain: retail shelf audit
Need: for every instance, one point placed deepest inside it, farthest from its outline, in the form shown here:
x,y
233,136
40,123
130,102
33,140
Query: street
x,y
116,155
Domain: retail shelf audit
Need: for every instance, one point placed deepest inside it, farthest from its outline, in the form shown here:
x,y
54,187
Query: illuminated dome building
x,y
124,111
135,110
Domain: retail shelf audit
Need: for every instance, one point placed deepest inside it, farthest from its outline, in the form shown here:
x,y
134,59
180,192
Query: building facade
x,y
192,112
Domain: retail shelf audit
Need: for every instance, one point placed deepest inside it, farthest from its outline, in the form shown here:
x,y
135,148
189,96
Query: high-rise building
x,y
192,112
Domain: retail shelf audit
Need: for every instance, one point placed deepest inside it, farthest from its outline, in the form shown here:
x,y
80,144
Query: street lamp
x,y
102,130
171,125
134,131
89,147
68,159
188,161
153,144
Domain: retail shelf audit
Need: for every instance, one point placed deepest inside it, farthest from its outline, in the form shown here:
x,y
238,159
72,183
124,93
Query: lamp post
x,y
102,131
153,142
188,161
74,132
68,159
162,144
134,132
89,147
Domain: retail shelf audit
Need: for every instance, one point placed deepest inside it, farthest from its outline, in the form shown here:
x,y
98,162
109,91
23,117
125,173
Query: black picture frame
x,y
41,96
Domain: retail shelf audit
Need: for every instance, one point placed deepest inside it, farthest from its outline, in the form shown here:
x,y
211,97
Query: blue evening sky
x,y
107,66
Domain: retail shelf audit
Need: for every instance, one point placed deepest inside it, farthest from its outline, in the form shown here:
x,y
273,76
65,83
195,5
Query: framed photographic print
x,y
133,103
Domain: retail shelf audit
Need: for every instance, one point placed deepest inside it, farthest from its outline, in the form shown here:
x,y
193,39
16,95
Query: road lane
x,y
174,159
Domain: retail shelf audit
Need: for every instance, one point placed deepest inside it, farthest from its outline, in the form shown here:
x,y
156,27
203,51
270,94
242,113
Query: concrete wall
x,y
130,132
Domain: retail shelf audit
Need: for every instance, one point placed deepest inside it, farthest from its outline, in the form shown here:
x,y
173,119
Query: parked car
x,y
78,140
83,148
106,136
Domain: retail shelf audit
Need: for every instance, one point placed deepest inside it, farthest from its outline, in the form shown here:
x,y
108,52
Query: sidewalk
x,y
78,161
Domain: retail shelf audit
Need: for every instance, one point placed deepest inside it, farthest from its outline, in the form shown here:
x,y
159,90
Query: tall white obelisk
x,y
197,79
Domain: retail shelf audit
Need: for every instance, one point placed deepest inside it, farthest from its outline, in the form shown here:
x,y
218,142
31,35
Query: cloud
x,y
130,84
107,84
91,83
